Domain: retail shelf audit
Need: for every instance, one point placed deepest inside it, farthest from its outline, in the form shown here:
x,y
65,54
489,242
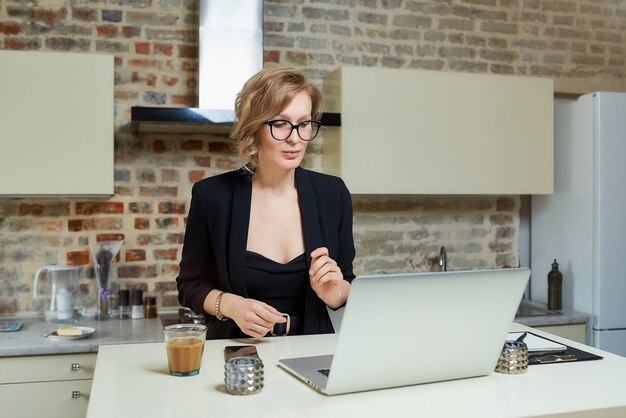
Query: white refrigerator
x,y
583,224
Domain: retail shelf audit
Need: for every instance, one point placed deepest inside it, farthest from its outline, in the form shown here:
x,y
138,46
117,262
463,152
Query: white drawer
x,y
28,369
67,399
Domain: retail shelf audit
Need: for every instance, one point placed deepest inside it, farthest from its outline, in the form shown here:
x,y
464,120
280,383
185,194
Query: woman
x,y
269,246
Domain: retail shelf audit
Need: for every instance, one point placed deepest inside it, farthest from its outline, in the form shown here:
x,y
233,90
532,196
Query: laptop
x,y
407,329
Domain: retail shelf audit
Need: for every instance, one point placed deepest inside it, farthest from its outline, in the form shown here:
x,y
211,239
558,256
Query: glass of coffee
x,y
184,344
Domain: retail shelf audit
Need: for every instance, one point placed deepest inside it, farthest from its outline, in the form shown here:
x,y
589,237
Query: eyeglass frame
x,y
271,122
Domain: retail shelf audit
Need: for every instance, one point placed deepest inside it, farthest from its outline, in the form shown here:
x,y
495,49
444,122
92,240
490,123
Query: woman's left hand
x,y
327,279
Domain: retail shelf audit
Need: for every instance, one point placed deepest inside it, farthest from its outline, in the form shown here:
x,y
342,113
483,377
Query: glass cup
x,y
184,344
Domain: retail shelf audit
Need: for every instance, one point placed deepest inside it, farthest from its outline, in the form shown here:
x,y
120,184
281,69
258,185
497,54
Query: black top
x,y
281,286
216,235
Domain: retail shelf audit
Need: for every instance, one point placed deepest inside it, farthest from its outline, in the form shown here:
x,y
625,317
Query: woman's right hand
x,y
253,317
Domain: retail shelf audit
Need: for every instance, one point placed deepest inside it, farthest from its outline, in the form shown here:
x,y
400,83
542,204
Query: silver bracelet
x,y
218,302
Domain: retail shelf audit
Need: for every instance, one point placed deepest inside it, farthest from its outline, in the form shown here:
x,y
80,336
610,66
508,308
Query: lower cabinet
x,y
574,332
51,386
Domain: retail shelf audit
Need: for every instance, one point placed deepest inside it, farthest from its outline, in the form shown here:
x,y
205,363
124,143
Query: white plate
x,y
86,332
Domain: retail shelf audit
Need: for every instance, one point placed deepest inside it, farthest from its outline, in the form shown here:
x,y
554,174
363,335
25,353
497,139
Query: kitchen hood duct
x,y
231,49
230,52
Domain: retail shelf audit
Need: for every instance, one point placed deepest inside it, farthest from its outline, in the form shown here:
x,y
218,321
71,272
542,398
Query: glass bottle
x,y
124,295
555,288
149,307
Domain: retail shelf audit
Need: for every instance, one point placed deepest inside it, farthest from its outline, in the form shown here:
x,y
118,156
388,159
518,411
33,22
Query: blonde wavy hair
x,y
262,97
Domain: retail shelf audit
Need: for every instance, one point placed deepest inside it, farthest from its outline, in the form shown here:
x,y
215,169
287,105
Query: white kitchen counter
x,y
133,380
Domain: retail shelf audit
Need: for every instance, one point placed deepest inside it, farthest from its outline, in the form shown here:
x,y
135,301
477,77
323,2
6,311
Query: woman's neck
x,y
279,181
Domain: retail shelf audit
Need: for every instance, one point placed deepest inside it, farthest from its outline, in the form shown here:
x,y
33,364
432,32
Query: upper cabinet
x,y
433,132
56,124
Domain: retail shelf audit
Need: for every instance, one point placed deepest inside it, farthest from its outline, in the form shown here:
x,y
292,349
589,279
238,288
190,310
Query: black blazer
x,y
216,235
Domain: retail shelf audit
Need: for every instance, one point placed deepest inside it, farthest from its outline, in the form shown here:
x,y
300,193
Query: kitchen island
x,y
133,380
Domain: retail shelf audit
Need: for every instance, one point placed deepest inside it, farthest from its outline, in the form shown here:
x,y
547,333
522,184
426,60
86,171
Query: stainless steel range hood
x,y
230,51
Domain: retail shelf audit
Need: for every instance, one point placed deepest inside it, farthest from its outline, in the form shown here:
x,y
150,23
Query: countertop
x,y
128,379
29,341
535,314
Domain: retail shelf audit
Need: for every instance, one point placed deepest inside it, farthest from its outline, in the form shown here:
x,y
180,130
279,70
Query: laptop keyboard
x,y
325,372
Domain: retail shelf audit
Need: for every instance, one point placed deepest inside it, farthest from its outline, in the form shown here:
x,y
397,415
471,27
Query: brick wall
x,y
578,43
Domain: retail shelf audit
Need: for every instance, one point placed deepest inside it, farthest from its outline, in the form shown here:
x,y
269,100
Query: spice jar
x,y
124,295
149,307
136,310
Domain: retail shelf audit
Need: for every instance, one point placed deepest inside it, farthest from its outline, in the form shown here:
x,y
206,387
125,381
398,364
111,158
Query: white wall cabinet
x,y
56,124
46,386
435,132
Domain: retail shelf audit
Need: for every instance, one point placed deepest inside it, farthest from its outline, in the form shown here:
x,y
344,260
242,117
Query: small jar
x,y
149,307
136,309
124,297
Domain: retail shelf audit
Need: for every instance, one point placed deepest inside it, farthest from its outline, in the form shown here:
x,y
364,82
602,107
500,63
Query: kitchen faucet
x,y
443,259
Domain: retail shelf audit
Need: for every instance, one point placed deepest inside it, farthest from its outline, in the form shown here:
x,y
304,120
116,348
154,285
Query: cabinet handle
x,y
75,367
75,394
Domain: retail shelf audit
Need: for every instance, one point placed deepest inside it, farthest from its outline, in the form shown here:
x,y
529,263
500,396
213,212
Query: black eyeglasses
x,y
282,129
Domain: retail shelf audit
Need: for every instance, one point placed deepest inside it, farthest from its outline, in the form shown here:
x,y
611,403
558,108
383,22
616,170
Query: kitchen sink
x,y
169,319
182,316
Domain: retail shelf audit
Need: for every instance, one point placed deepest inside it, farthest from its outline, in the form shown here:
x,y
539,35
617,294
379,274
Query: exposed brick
x,y
77,258
109,237
169,286
171,270
164,49
559,6
21,43
150,239
170,175
151,19
45,209
192,145
505,204
158,145
412,21
134,255
196,175
142,48
203,161
142,223
499,27
169,80
131,272
112,15
271,56
190,100
158,191
8,306
614,37
172,207
166,223
176,238
166,254
96,224
457,24
90,208
170,300
68,44
10,28
131,31
49,226
140,207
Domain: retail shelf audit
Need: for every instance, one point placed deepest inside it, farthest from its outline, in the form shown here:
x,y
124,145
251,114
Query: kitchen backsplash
x,y
578,43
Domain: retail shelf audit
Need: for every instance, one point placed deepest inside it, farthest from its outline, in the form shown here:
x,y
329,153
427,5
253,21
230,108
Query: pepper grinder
x,y
555,288
136,310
